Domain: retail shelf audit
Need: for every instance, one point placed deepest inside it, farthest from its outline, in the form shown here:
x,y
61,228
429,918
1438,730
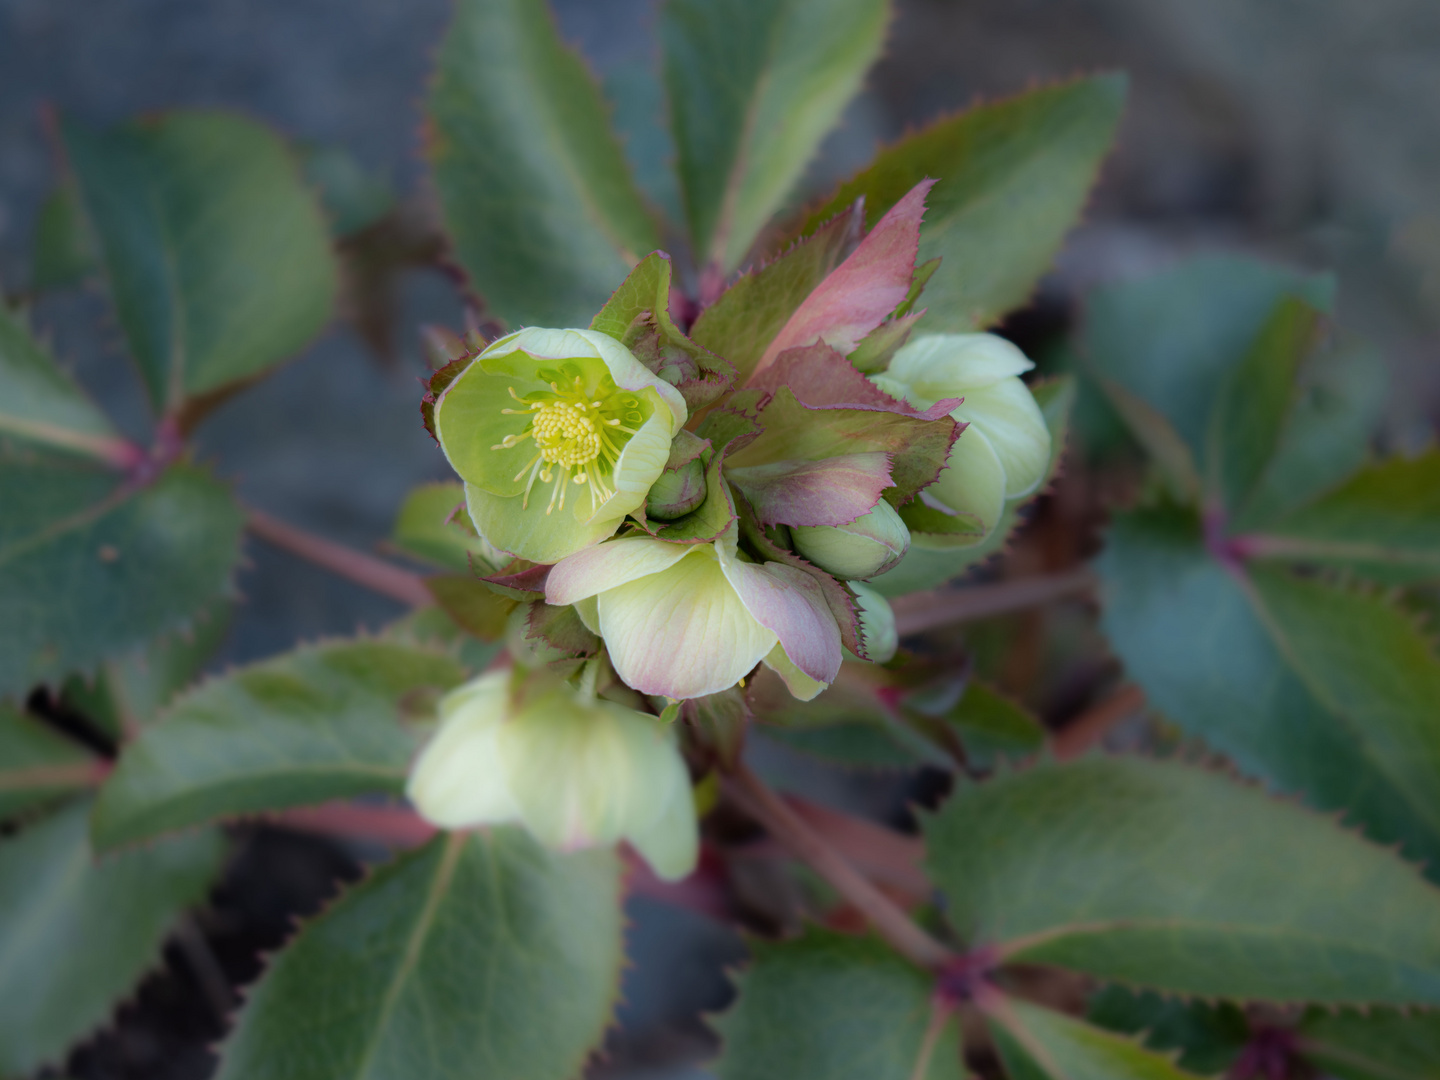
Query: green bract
x,y
576,770
1004,450
558,434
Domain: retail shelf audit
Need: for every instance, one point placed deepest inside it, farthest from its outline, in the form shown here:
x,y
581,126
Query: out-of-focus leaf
x,y
91,567
78,933
1013,178
638,97
1172,338
476,607
37,763
317,724
832,1007
63,253
1164,875
1156,435
1038,1044
432,526
532,181
217,255
431,626
1253,403
1191,635
991,726
1208,1037
479,954
41,403
754,85
1384,522
353,198
926,567
1380,1045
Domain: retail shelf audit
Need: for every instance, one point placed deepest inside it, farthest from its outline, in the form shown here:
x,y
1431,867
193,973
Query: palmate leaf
x,y
1380,1045
78,933
1012,179
91,566
37,763
534,187
754,85
1167,876
832,1007
479,954
1038,1044
320,723
216,254
1215,658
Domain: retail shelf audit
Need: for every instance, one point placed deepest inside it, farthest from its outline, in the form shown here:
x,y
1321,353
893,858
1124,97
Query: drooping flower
x,y
575,770
686,620
1004,451
558,435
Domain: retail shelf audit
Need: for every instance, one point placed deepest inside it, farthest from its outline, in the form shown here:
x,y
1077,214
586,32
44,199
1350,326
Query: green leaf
x,y
63,254
41,403
754,86
433,527
833,1007
472,604
640,122
1208,1037
1013,178
216,253
353,198
1038,1044
1380,1045
320,723
1384,522
532,181
991,726
431,626
91,567
1253,403
1165,875
1190,633
1172,338
927,567
1364,658
479,954
79,933
37,763
1169,453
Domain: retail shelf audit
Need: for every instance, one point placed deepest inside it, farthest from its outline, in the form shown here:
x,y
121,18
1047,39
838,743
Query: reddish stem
x,y
928,610
375,574
1092,725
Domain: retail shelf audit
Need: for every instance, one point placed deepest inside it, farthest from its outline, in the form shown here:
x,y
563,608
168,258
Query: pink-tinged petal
x,y
684,633
789,602
800,685
862,291
831,491
608,565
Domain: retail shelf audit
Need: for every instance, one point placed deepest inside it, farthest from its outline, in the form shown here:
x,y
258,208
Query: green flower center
x,y
578,436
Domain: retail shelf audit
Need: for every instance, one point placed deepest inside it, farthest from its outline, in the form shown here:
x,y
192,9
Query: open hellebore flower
x,y
577,771
1004,452
686,620
558,434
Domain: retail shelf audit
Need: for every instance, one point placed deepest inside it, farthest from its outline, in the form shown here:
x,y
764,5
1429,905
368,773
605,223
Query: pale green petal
x,y
592,571
799,684
470,419
589,611
940,366
528,532
459,779
671,843
973,482
629,373
1006,412
640,464
683,633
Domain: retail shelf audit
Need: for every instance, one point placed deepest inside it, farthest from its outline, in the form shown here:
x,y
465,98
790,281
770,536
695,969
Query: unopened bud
x,y
877,623
865,548
677,492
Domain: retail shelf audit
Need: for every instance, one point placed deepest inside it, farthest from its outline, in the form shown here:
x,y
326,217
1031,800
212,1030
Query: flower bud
x,y
677,492
877,623
866,547
576,771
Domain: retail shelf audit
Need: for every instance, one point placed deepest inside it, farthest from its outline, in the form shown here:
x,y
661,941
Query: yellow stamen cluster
x,y
576,438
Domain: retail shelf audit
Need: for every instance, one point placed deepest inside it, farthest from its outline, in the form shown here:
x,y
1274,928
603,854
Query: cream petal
x,y
799,684
683,633
788,601
973,480
529,532
1012,422
671,843
939,366
459,780
606,566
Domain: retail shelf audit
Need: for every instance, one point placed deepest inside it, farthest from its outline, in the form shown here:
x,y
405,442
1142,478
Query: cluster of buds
x,y
706,506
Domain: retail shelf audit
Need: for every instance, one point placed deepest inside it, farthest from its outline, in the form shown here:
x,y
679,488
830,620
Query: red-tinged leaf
x,y
745,318
882,343
520,580
832,491
818,375
862,292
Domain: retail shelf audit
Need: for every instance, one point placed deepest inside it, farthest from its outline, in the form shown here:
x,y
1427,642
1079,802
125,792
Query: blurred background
x,y
1304,130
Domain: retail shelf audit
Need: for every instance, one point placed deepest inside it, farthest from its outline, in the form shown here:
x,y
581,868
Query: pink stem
x,y
928,610
375,574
